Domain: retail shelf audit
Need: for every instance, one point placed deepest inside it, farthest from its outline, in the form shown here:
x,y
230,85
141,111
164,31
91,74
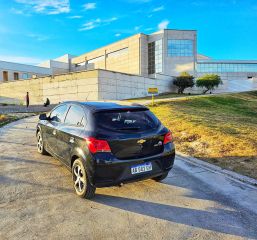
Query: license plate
x,y
145,167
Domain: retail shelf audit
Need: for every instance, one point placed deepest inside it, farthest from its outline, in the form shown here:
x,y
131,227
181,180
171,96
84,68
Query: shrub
x,y
184,81
208,82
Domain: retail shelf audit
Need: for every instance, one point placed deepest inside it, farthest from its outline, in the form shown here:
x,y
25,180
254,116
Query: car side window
x,y
75,116
58,114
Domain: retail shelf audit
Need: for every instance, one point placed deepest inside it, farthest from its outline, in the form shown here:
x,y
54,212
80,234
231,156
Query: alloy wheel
x,y
39,143
79,178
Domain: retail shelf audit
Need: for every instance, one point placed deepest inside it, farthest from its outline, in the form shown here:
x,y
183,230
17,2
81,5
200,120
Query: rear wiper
x,y
128,128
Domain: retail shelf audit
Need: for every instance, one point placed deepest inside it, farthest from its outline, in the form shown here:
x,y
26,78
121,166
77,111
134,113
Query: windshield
x,y
127,120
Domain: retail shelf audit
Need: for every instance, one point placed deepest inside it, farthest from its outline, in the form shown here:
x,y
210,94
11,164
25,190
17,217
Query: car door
x,y
56,119
70,132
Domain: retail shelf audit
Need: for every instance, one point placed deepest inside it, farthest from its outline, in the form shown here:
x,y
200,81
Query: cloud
x,y
38,37
158,9
136,28
96,23
91,24
139,1
149,29
21,59
48,7
163,24
75,17
89,6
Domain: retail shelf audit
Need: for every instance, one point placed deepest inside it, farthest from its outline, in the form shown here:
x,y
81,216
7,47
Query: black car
x,y
106,143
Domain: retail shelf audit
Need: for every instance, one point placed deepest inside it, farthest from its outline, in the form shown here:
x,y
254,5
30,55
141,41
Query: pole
x,y
152,99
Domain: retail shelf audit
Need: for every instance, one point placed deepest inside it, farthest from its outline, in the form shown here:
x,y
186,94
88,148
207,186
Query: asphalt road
x,y
37,201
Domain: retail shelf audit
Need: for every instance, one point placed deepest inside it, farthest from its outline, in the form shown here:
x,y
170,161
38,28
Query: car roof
x,y
98,106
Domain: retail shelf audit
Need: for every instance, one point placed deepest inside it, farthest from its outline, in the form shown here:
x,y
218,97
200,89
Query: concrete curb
x,y
216,169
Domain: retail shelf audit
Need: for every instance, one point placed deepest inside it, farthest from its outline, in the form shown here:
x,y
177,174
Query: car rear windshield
x,y
127,120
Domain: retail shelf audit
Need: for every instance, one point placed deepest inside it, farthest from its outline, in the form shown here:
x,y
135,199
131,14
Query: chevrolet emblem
x,y
141,141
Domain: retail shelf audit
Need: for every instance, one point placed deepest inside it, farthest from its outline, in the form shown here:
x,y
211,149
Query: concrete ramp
x,y
241,85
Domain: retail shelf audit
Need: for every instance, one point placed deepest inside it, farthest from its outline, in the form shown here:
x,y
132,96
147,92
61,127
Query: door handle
x,y
72,140
54,132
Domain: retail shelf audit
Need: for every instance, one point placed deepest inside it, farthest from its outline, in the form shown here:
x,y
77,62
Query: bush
x,y
184,81
208,82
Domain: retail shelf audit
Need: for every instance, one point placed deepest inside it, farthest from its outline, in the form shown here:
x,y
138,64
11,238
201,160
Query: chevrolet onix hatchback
x,y
106,143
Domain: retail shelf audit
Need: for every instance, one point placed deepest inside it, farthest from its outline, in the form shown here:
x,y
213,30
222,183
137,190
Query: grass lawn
x,y
219,129
5,119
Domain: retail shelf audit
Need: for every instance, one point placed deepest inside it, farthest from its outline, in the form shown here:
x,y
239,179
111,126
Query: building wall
x,y
82,86
121,56
58,65
134,55
79,86
175,65
234,81
118,86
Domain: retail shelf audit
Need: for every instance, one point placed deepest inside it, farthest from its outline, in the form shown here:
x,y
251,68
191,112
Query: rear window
x,y
127,120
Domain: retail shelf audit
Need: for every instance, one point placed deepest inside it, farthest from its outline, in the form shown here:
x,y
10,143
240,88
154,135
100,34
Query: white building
x,y
16,71
158,56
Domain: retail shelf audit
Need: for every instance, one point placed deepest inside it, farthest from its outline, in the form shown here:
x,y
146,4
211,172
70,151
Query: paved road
x,y
37,202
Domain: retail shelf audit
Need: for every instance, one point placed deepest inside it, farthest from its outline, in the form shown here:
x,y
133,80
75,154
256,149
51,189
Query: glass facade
x,y
180,48
226,67
155,50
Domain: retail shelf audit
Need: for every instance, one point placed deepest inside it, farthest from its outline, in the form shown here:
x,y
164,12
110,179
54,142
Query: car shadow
x,y
214,219
37,162
24,144
198,189
11,181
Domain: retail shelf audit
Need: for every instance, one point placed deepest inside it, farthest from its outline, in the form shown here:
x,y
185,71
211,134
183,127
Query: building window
x,y
180,48
226,67
25,76
5,76
16,76
155,51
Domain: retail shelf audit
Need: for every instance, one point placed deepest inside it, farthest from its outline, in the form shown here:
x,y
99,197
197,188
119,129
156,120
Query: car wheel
x,y
82,186
161,177
40,144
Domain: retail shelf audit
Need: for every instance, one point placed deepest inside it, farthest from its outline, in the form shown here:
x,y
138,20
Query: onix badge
x,y
141,141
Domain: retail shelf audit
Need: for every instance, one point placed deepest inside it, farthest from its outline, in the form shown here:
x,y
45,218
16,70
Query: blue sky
x,y
36,30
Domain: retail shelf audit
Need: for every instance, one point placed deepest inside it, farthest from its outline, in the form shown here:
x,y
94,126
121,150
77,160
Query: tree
x,y
184,81
208,82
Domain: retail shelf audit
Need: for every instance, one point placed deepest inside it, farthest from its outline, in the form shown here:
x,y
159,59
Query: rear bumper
x,y
111,171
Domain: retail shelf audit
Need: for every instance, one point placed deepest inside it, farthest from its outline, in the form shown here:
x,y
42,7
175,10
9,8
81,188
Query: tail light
x,y
167,138
96,145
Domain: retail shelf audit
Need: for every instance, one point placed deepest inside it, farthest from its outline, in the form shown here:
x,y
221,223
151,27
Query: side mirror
x,y
43,117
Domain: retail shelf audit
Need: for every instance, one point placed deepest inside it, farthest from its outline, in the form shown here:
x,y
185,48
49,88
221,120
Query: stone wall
x,y
82,86
72,86
117,86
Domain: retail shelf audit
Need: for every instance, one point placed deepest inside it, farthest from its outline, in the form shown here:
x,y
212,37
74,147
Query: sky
x,y
35,30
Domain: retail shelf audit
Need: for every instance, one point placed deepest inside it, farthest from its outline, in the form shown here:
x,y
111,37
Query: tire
x,y
82,186
161,177
40,144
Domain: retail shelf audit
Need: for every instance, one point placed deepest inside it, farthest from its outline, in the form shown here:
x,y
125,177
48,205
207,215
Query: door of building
x,y
5,76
